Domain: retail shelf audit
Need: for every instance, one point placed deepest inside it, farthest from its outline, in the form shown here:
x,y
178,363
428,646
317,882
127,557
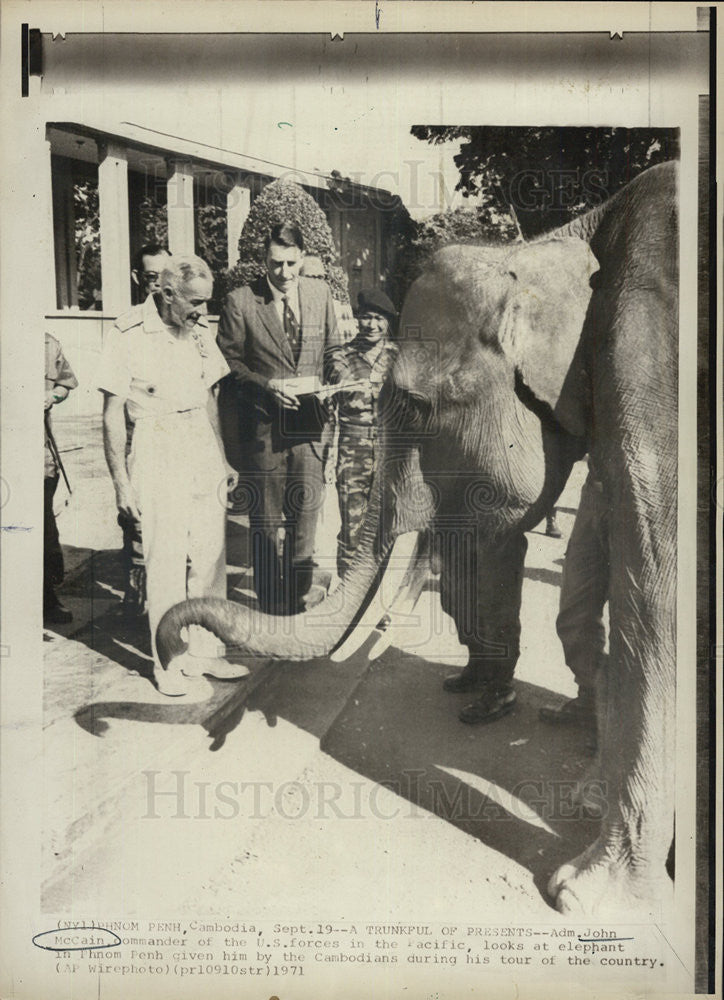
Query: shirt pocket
x,y
145,387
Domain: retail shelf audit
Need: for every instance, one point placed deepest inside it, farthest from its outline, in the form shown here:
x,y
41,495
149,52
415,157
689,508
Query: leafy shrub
x,y
284,201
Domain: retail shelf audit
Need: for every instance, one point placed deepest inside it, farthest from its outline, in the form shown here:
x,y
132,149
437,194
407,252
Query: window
x,y
210,228
76,234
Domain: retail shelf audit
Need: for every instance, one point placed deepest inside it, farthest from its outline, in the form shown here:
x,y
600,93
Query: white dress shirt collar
x,y
278,297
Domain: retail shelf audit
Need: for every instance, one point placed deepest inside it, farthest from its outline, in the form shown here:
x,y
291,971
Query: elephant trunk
x,y
319,630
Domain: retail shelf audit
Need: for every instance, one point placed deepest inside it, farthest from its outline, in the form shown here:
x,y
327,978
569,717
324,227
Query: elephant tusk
x,y
398,567
402,608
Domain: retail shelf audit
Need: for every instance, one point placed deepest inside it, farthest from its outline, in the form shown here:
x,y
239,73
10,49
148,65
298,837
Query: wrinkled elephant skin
x,y
493,353
633,323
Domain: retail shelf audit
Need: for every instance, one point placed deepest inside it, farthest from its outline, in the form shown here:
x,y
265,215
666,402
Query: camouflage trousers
x,y
355,470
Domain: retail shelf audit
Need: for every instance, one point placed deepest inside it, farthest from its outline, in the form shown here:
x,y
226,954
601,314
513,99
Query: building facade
x,y
116,189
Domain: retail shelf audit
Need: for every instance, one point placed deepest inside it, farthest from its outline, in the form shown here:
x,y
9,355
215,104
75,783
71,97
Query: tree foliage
x,y
211,245
284,201
211,237
546,176
87,242
416,244
153,220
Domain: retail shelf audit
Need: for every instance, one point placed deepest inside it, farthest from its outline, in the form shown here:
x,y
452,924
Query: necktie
x,y
291,328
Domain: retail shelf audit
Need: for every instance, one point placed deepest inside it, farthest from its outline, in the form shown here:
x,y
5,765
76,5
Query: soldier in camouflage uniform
x,y
369,356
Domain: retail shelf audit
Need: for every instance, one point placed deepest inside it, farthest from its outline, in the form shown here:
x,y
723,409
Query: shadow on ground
x,y
510,785
93,592
542,575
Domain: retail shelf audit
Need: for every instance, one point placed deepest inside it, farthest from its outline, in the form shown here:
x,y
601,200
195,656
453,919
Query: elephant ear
x,y
548,294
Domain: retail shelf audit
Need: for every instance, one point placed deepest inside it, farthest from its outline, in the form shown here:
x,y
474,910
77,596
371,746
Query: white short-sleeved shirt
x,y
143,362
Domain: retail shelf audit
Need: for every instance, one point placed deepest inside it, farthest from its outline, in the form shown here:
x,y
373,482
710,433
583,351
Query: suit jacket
x,y
253,341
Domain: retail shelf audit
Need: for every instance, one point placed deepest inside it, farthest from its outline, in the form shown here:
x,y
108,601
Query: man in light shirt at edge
x,y
146,273
161,360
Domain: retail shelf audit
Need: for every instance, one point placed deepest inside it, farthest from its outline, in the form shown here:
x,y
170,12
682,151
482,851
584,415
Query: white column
x,y
54,199
238,203
115,239
180,207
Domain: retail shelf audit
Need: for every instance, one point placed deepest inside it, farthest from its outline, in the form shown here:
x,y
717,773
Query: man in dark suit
x,y
276,329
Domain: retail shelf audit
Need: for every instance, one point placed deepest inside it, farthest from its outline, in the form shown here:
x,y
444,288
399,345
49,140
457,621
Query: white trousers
x,y
178,477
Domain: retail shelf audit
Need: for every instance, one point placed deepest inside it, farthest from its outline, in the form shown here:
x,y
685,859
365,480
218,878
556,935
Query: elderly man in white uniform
x,y
161,359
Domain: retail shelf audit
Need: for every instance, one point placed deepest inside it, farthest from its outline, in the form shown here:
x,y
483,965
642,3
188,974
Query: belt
x,y
357,430
169,413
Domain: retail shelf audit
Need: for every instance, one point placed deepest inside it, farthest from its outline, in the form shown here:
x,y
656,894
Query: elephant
x,y
513,361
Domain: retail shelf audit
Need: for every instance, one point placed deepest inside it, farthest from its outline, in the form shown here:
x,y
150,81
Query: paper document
x,y
303,385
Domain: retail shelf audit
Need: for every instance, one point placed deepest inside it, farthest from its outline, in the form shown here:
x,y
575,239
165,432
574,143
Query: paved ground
x,y
288,789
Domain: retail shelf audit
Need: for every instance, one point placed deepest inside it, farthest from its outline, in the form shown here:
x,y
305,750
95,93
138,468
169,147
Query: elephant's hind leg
x,y
635,450
600,883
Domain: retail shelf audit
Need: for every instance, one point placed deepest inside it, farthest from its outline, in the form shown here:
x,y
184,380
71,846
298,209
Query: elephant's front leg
x,y
481,589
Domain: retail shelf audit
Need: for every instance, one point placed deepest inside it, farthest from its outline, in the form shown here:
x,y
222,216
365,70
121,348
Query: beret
x,y
376,300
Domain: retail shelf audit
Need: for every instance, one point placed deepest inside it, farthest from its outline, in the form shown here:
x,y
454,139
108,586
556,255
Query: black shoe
x,y
462,682
56,614
578,711
132,611
552,529
493,704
